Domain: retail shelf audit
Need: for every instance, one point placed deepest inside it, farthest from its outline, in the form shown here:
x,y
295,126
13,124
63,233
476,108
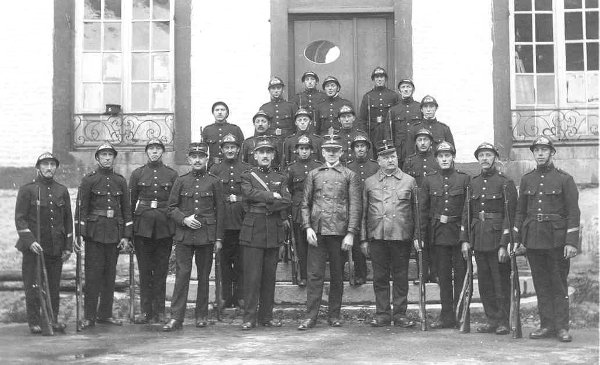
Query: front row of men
x,y
331,212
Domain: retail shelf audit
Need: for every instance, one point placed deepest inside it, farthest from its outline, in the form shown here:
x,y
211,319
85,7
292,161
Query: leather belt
x,y
261,210
447,218
482,216
153,203
108,213
545,217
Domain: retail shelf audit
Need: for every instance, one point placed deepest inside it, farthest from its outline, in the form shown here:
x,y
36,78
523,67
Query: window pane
x,y
112,36
573,25
92,97
543,27
522,5
139,95
545,59
161,9
161,97
112,9
140,66
543,4
592,84
91,36
572,4
524,89
160,35
91,67
111,67
112,94
592,56
141,36
591,25
575,88
523,28
574,56
524,59
91,9
591,3
141,9
545,89
160,67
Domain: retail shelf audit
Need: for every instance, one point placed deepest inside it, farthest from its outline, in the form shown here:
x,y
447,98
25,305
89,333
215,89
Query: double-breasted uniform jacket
x,y
230,173
289,147
150,187
213,135
296,173
199,193
442,202
489,223
105,207
376,103
403,115
332,203
263,222
420,164
346,138
364,168
247,151
328,114
282,117
548,209
56,219
309,99
440,131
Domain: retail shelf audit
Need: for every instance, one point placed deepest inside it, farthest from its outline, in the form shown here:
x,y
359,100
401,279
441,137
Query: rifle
x,y
218,285
42,279
351,278
290,242
422,294
78,281
389,117
131,273
464,301
369,116
514,317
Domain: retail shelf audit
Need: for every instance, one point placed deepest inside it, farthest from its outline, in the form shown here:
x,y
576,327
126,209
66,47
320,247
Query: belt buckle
x,y
278,131
481,215
154,204
379,119
110,213
443,218
539,217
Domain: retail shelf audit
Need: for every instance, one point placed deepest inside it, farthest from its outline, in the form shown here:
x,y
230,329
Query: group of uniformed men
x,y
309,169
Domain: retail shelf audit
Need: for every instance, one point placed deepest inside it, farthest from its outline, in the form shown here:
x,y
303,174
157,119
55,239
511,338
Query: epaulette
x,y
372,160
435,172
360,130
185,174
460,172
530,172
169,167
211,174
318,162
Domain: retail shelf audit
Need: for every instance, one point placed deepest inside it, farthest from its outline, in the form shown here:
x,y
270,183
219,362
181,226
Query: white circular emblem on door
x,y
322,52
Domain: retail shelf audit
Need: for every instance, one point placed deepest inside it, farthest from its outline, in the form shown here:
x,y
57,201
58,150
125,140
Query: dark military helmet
x,y
105,146
304,140
384,147
220,103
329,79
331,141
263,142
198,147
275,81
303,111
346,109
261,113
46,156
428,99
542,141
424,132
406,81
486,146
360,138
155,142
445,147
229,138
309,73
378,71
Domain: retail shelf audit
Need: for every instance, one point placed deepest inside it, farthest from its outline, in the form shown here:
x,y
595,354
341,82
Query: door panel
x,y
371,41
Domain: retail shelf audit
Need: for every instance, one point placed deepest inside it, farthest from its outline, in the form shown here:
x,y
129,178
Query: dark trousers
x,y
183,259
259,270
360,261
231,271
549,270
328,246
32,299
451,270
389,256
100,273
302,248
153,265
494,286
429,260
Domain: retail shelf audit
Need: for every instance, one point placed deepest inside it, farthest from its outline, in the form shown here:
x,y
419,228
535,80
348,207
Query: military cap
x,y
220,103
198,147
303,111
46,156
406,81
428,99
106,145
445,147
329,79
304,140
275,81
261,113
378,71
229,138
486,146
155,142
309,73
424,132
331,141
346,109
384,147
360,138
263,142
542,141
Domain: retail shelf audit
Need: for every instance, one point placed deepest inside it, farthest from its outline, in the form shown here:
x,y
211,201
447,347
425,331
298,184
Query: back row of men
x,y
241,213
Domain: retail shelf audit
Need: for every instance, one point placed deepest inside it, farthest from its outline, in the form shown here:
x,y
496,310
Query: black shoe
x,y
502,330
35,329
442,324
403,322
306,324
541,333
246,326
110,320
172,325
564,336
335,322
87,323
302,283
486,328
379,322
272,323
59,327
143,318
201,322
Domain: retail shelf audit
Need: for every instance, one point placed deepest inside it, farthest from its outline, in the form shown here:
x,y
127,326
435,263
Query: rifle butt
x,y
218,286
78,291
351,278
131,288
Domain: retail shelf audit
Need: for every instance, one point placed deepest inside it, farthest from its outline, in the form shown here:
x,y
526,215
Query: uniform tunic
x,y
282,117
376,103
289,147
403,115
347,136
441,132
213,135
420,164
248,145
309,99
328,114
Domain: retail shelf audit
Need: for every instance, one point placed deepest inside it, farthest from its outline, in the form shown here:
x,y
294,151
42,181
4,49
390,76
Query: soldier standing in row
x,y
213,133
310,97
442,202
348,132
403,115
375,106
297,172
327,112
230,171
489,237
54,239
106,227
262,122
150,186
331,209
196,206
440,131
267,201
303,128
281,111
548,222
